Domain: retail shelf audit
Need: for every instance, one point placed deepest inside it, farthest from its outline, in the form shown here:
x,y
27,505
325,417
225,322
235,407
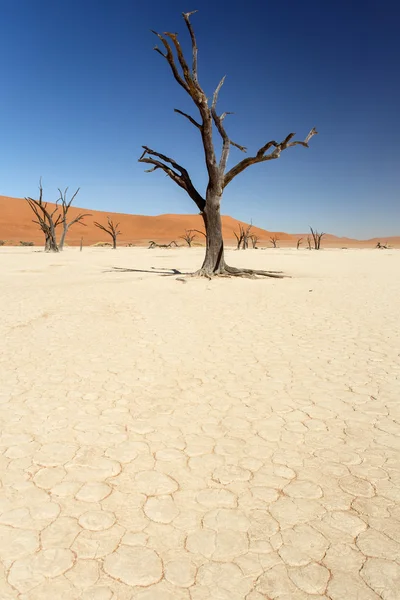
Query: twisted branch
x,y
261,155
177,173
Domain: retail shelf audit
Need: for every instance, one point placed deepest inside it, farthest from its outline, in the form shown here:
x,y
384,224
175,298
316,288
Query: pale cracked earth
x,y
224,440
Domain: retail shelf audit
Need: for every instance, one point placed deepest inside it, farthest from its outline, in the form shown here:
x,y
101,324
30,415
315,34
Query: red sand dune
x,y
16,225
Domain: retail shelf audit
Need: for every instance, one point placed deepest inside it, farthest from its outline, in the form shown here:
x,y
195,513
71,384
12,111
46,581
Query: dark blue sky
x,y
82,90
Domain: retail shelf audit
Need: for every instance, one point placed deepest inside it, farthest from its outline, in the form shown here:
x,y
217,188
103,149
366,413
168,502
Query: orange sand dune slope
x,y
16,225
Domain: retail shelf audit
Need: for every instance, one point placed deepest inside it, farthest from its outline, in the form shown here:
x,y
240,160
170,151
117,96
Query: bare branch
x,y
181,177
187,16
261,155
79,218
193,121
171,60
198,231
190,84
218,120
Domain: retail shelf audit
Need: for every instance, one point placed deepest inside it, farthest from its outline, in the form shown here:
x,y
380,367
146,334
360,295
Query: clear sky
x,y
82,91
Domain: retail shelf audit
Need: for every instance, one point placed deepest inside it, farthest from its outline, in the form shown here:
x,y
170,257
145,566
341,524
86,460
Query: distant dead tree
x,y
209,120
239,237
65,205
317,237
274,240
47,219
189,236
243,236
111,228
155,245
254,239
309,242
299,243
382,246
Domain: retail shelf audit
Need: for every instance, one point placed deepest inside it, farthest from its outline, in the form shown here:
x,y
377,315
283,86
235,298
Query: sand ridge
x,y
16,225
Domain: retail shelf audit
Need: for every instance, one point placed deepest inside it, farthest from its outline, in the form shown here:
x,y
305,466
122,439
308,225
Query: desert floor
x,y
207,440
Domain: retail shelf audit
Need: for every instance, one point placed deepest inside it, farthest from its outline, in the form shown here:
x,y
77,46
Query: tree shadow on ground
x,y
160,271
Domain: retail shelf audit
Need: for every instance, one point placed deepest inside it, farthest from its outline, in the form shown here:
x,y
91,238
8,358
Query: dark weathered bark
x,y
299,243
317,237
47,221
214,261
218,178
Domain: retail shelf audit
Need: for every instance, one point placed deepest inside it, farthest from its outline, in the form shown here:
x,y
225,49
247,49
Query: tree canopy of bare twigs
x,y
209,121
65,205
274,240
254,240
317,237
111,228
48,219
188,237
243,236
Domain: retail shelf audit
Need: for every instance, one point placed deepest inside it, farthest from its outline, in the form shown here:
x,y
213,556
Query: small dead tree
x,y
243,236
155,245
274,240
239,237
189,236
48,219
65,205
209,120
254,240
317,237
309,242
299,241
111,228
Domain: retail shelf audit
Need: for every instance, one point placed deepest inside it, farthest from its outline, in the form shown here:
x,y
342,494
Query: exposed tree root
x,y
227,271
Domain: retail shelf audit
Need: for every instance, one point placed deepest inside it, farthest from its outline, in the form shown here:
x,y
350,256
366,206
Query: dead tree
x,y
299,243
254,240
189,236
218,177
65,206
274,240
317,237
309,242
242,237
47,219
111,228
155,245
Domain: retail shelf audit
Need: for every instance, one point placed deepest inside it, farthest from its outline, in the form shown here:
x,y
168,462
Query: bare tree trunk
x,y
214,262
62,238
114,239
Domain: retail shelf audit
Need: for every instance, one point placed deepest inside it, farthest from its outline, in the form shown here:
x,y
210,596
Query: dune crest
x,y
16,225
